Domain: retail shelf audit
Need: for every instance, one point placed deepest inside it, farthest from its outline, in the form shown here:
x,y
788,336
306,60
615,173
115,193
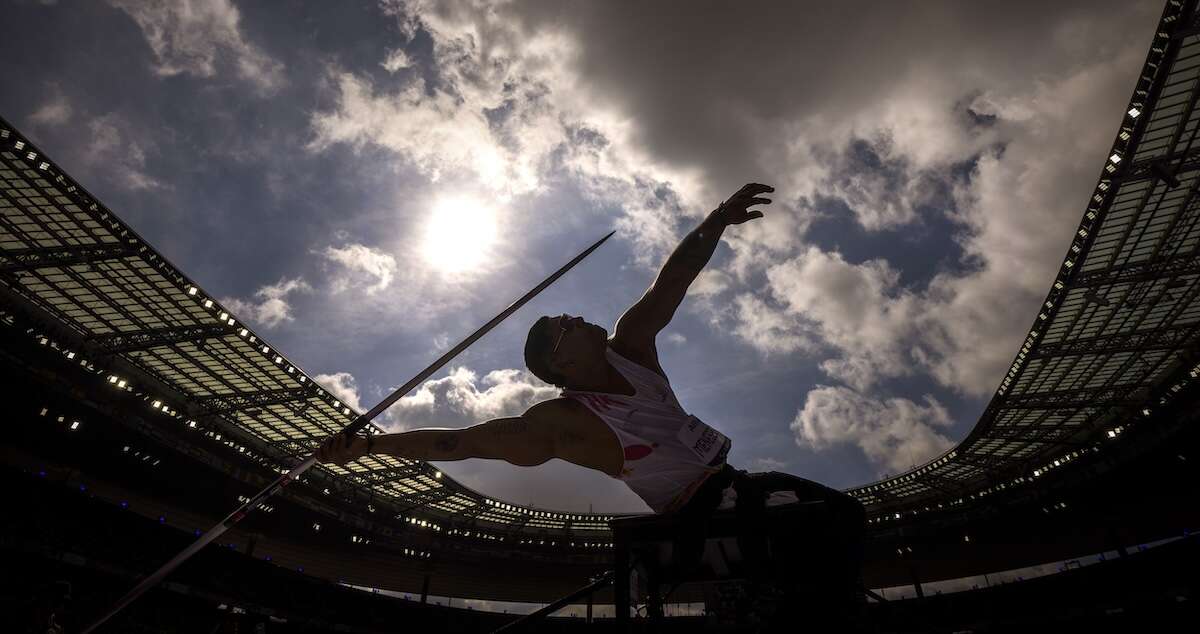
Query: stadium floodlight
x,y
1134,112
1115,158
358,424
74,425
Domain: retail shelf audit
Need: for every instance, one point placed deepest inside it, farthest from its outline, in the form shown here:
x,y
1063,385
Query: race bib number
x,y
703,440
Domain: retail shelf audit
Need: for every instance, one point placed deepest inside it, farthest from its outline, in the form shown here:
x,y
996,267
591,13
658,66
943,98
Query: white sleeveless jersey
x,y
668,453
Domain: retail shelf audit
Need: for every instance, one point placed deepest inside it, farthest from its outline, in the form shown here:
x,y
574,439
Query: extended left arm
x,y
657,306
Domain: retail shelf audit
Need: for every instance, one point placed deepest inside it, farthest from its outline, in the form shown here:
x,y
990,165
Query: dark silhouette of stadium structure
x,y
141,411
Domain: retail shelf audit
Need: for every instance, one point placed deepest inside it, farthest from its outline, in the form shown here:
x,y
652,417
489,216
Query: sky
x,y
365,183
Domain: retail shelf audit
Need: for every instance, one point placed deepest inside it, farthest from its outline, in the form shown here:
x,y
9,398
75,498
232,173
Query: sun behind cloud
x,y
459,234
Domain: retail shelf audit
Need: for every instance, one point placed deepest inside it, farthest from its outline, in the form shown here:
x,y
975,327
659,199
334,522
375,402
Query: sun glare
x,y
459,234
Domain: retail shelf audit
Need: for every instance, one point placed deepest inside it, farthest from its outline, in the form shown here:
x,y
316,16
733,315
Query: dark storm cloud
x,y
706,80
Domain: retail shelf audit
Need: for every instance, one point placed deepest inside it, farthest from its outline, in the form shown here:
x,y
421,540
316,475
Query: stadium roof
x,y
67,253
1117,327
1120,323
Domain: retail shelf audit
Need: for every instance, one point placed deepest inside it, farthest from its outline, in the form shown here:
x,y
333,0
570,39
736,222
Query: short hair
x,y
537,353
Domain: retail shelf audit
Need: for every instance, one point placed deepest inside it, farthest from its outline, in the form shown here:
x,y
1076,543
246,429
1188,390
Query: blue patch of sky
x,y
351,35
919,250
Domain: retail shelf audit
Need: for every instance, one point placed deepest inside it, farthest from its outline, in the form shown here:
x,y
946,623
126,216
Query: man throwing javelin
x,y
617,412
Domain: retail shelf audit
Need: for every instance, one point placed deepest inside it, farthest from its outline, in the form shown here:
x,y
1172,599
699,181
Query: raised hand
x,y
734,211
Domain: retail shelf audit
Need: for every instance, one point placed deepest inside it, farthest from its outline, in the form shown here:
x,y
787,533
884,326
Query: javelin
x,y
354,427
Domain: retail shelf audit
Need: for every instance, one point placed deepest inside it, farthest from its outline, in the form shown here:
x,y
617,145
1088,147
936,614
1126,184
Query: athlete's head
x,y
561,349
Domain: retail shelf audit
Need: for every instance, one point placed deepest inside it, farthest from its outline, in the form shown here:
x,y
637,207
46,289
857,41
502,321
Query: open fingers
x,y
754,189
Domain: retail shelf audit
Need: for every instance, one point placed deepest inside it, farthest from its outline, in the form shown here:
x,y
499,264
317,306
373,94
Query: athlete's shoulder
x,y
645,355
556,409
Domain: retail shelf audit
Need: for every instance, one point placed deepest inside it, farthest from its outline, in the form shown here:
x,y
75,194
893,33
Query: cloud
x,y
55,112
118,149
894,433
857,309
438,134
272,308
878,183
1020,208
1001,140
676,338
396,60
766,328
895,118
195,36
895,132
462,399
359,263
1014,210
343,386
504,112
710,282
768,464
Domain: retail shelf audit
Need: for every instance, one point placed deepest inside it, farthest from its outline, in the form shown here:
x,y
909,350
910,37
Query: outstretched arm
x,y
525,440
643,321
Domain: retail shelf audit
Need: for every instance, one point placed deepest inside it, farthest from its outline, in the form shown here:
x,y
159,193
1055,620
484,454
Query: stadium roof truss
x,y
64,252
1119,324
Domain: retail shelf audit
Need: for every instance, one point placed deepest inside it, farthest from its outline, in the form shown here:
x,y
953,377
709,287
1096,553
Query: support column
x,y
425,589
591,598
654,608
621,581
916,581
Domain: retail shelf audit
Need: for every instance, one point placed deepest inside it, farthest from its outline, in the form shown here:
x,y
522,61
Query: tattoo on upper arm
x,y
446,442
569,436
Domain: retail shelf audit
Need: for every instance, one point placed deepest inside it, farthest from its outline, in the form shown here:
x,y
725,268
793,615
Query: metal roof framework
x,y
1122,317
66,253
